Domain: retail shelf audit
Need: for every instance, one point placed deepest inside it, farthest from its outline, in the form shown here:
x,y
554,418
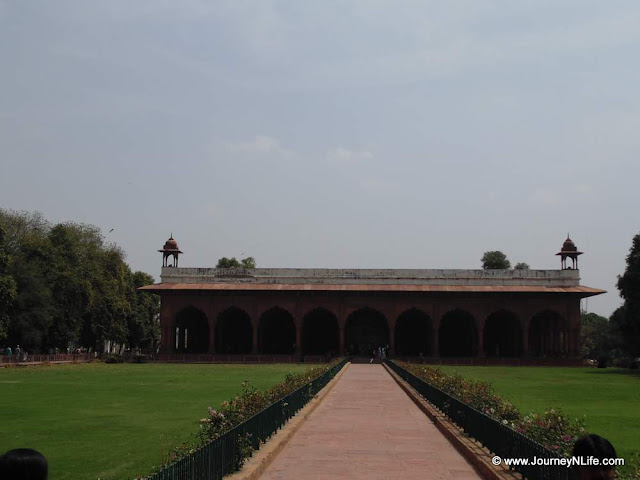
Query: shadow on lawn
x,y
616,371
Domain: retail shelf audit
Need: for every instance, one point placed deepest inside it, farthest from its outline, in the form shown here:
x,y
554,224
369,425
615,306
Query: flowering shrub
x,y
477,394
244,406
552,429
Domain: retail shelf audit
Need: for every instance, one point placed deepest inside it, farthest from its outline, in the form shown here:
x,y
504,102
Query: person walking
x,y
17,353
8,352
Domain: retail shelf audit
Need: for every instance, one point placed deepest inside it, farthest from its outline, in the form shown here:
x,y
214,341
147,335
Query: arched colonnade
x,y
412,332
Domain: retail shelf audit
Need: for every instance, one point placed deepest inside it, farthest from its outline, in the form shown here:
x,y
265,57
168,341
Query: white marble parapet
x,y
549,278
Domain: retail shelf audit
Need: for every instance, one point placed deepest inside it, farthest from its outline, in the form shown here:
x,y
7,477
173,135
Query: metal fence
x,y
496,437
37,358
221,456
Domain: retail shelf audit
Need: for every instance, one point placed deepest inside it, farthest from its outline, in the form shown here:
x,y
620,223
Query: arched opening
x,y
547,335
277,332
502,335
320,333
192,331
234,333
414,333
366,330
458,336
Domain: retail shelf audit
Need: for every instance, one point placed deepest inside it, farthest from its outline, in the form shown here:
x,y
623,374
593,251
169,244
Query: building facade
x,y
413,312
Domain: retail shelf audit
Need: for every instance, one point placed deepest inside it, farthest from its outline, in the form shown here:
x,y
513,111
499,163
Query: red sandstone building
x,y
433,313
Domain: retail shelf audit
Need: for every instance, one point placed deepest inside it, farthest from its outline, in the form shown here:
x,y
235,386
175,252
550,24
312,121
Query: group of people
x,y
19,354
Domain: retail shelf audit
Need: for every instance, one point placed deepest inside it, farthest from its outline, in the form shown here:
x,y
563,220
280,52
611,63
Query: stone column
x,y
525,341
434,343
254,346
480,341
298,339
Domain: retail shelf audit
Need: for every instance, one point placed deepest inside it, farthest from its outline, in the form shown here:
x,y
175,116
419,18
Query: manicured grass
x,y
113,421
608,399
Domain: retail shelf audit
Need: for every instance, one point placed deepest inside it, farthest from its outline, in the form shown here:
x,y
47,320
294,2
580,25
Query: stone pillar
x,y
480,341
434,343
298,339
254,339
525,341
392,346
341,348
212,338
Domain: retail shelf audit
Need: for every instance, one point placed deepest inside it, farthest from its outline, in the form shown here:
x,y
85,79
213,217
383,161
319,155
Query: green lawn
x,y
112,421
609,398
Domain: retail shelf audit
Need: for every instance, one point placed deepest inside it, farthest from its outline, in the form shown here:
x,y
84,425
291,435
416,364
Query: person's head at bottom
x,y
23,464
594,447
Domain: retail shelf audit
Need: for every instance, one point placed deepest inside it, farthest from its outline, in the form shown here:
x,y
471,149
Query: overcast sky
x,y
360,134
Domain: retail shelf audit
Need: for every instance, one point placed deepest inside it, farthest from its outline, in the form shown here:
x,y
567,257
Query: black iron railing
x,y
221,456
498,438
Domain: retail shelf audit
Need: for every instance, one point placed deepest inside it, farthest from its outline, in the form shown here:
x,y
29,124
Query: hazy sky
x,y
365,133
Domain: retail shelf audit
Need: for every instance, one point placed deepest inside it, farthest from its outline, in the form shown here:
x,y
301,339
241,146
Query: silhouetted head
x,y
23,464
594,446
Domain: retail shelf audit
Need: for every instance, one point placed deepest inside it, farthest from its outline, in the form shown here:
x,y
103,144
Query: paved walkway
x,y
368,428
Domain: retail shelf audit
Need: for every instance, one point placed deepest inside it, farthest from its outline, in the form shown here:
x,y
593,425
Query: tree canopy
x,y
521,266
626,320
594,336
233,262
8,288
495,260
72,288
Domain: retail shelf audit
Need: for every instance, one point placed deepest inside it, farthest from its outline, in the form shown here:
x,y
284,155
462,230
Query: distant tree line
x,y
63,287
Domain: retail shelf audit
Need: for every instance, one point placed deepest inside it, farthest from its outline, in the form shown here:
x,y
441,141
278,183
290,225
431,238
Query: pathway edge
x,y
478,456
262,458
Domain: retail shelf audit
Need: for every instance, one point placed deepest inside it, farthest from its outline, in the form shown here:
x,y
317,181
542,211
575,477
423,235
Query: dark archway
x,y
234,333
414,333
502,335
320,333
458,336
192,331
366,330
277,332
547,334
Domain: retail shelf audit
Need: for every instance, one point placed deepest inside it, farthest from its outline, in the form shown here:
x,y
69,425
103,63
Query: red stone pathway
x,y
367,428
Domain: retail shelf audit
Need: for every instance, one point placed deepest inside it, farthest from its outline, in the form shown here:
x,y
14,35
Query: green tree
x,y
594,336
144,325
8,287
72,288
495,260
626,320
521,266
233,262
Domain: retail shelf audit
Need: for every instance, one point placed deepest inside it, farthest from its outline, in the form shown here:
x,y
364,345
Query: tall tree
x,y
594,335
144,324
8,288
521,266
627,319
495,260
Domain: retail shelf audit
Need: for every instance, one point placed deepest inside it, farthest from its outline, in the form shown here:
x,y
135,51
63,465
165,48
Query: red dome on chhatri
x,y
170,249
569,246
170,245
